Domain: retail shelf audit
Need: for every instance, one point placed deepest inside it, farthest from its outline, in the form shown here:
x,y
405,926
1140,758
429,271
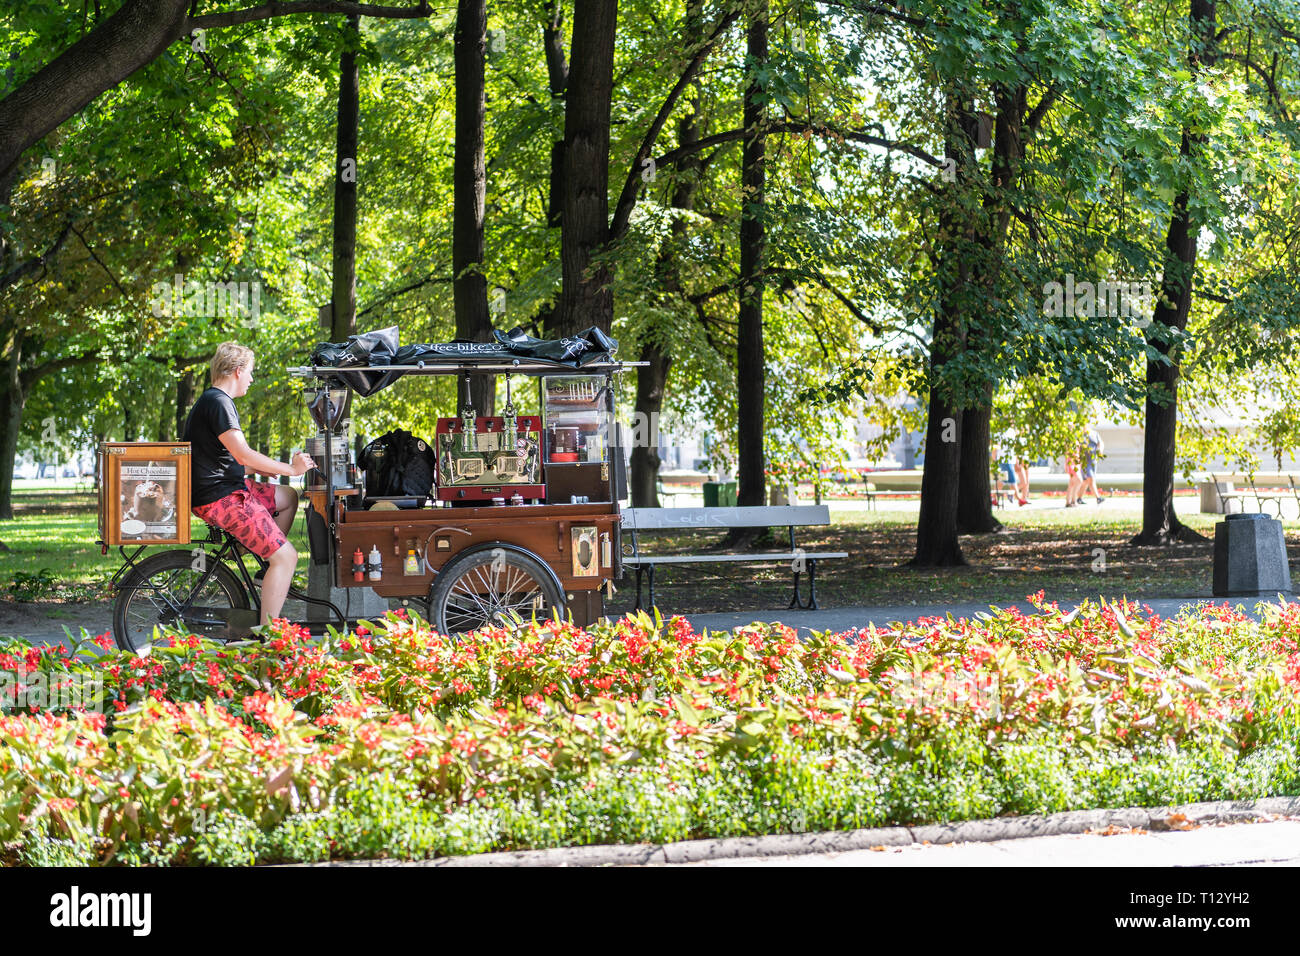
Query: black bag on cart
x,y
398,464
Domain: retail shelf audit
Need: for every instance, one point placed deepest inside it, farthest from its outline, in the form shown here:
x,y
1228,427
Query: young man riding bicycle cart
x,y
497,516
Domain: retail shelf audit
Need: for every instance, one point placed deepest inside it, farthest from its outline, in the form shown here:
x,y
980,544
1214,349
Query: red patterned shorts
x,y
247,516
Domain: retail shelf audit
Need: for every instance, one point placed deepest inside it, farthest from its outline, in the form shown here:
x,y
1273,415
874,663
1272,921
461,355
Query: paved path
x,y
97,618
1240,844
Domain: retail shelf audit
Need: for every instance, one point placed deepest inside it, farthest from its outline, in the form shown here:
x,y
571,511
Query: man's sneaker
x,y
1100,499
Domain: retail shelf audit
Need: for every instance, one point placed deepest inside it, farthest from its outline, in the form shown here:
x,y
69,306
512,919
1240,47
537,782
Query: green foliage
x,y
32,586
1035,418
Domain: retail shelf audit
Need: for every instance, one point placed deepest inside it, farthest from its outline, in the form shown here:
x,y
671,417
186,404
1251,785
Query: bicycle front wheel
x,y
155,593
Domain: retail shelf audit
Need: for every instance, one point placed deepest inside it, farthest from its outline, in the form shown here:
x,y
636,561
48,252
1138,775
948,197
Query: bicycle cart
x,y
522,516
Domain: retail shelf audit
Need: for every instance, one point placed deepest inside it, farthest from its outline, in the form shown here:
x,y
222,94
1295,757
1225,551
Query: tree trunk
x,y
650,383
974,496
100,438
752,483
343,318
469,181
184,400
557,73
937,544
11,419
1160,524
585,296
164,422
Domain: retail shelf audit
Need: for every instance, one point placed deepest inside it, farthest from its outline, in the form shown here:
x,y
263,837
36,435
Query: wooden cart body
x,y
579,543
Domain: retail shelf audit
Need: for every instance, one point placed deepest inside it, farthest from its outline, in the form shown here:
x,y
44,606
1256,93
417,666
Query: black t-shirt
x,y
214,473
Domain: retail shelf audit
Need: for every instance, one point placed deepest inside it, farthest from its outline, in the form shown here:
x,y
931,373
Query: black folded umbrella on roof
x,y
372,349
368,350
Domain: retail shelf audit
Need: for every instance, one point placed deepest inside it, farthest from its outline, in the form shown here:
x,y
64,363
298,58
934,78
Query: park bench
x,y
1224,499
1261,499
636,520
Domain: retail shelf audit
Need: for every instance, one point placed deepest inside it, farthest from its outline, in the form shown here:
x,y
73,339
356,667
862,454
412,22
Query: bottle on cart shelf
x,y
412,565
376,564
358,565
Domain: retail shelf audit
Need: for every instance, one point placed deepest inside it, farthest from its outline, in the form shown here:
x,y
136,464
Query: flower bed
x,y
404,742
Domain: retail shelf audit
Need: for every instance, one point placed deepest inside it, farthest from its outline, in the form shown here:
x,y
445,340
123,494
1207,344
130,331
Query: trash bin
x,y
719,494
782,494
1250,557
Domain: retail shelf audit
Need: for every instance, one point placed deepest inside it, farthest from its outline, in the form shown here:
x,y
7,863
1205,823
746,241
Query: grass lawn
x,y
1070,554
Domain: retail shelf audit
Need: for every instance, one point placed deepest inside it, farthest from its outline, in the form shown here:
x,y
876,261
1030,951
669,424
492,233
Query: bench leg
x,y
650,571
796,601
639,568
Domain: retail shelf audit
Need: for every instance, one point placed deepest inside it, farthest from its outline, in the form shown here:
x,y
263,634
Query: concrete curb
x,y
971,831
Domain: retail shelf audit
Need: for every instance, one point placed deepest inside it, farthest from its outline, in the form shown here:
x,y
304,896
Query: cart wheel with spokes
x,y
483,588
153,593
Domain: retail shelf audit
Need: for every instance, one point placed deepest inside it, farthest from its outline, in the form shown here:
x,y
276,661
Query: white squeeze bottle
x,y
376,564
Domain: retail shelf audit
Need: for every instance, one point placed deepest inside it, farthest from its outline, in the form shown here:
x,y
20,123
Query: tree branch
x,y
28,377
857,136
1045,102
124,293
861,316
877,10
627,198
40,262
1269,83
402,291
278,8
182,361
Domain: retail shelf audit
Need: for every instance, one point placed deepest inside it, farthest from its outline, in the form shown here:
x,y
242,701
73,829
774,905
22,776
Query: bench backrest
x,y
762,516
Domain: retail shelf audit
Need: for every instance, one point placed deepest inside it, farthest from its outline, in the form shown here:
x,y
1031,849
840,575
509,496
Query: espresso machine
x,y
331,446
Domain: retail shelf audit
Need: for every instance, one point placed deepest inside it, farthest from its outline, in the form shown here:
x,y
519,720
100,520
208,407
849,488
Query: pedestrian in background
x,y
1005,469
1093,450
1073,483
1022,481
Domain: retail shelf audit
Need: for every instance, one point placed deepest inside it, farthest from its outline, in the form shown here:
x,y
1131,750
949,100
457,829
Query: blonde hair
x,y
230,358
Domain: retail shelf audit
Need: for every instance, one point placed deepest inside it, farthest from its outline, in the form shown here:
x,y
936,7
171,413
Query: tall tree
x,y
343,301
585,296
469,184
652,378
557,81
937,544
1160,525
752,483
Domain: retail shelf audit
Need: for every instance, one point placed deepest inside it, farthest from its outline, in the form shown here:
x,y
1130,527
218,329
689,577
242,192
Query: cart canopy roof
x,y
374,360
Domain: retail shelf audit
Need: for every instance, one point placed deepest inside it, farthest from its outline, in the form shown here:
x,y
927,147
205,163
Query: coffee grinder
x,y
331,446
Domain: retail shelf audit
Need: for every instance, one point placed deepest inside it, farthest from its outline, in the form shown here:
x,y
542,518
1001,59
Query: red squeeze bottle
x,y
358,566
